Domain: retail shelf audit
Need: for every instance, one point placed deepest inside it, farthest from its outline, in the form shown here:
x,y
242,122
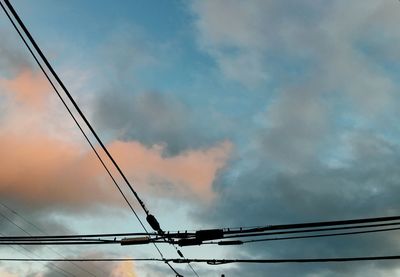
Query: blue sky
x,y
223,112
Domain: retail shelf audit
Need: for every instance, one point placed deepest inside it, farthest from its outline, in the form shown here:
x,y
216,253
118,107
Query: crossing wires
x,y
151,219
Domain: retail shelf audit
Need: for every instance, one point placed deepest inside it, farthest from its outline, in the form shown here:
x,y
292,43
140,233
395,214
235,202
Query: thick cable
x,y
80,113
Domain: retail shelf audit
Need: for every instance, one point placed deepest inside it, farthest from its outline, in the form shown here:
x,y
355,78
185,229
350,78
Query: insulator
x,y
230,242
210,234
133,241
153,222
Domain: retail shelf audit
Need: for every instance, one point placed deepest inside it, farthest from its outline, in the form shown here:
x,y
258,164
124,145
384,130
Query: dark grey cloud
x,y
128,109
151,118
366,185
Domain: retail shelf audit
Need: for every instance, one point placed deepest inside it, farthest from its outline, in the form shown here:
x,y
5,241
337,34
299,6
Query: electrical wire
x,y
29,234
28,241
312,224
44,59
82,115
305,237
312,230
217,261
41,231
58,269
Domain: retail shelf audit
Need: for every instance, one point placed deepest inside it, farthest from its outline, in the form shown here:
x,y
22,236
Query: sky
x,y
222,113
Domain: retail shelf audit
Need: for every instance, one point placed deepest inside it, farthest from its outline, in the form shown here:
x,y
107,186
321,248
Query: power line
x,y
150,218
312,224
81,241
58,269
217,261
57,242
40,230
76,236
29,234
299,237
82,115
70,113
311,230
187,234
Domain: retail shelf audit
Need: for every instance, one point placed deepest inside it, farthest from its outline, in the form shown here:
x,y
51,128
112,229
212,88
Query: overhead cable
x,y
150,218
218,261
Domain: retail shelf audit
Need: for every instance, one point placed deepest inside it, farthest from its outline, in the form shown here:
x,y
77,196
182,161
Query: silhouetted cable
x,y
70,113
302,237
150,218
40,230
275,261
43,243
75,236
312,224
312,230
82,115
218,261
58,269
29,234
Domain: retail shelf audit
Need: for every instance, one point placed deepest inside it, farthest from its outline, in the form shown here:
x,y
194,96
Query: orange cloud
x,y
192,172
47,171
42,165
4,273
28,87
124,269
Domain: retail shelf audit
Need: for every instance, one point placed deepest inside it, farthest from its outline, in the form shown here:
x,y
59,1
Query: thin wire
x,y
81,114
59,270
57,243
312,230
313,224
70,113
217,261
310,236
324,235
275,261
184,234
29,234
40,230
75,236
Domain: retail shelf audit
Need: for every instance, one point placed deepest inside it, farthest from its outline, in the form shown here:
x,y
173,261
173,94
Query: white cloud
x,y
249,39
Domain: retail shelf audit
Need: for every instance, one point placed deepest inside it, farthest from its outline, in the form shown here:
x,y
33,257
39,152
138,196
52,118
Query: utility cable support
x,y
150,218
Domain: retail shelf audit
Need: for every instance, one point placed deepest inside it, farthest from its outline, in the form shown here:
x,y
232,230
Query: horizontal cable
x,y
215,261
304,237
312,230
311,224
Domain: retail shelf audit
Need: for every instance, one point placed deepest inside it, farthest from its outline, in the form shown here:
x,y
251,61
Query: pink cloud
x,y
28,87
47,171
39,167
190,173
124,269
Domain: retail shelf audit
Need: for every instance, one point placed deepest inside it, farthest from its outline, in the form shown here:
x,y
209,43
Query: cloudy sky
x,y
222,113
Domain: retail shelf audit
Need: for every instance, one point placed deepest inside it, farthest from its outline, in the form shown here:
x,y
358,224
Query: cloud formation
x,y
44,169
326,148
151,118
28,88
124,269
